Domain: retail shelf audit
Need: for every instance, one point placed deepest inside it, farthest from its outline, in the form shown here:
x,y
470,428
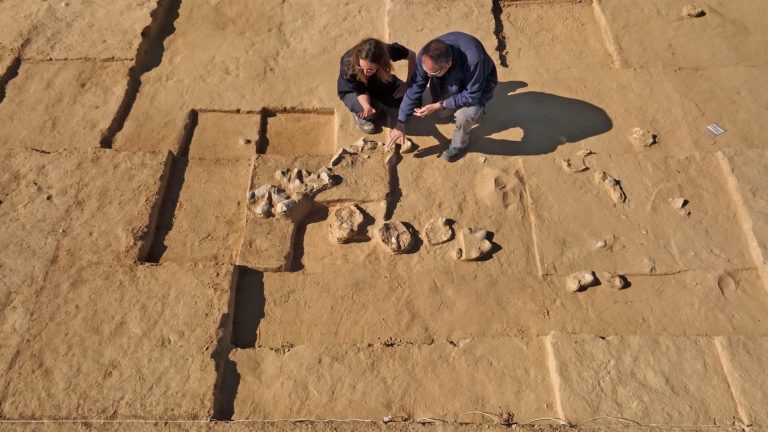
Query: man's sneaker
x,y
452,153
365,126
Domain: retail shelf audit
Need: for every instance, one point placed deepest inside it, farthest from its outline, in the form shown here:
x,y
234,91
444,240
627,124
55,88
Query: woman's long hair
x,y
373,51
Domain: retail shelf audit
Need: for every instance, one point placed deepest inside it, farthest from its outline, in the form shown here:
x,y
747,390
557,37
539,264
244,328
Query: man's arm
x,y
412,97
411,68
411,100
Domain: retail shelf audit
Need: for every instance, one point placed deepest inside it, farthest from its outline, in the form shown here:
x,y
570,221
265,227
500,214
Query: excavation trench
x,y
148,56
11,73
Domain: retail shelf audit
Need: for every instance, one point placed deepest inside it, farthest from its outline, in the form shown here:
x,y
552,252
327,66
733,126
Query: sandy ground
x,y
140,289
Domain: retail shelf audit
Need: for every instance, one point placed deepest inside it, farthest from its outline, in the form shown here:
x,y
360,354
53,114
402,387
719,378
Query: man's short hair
x,y
439,52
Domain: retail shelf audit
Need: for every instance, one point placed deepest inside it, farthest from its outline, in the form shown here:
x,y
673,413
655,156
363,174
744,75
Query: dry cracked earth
x,y
139,290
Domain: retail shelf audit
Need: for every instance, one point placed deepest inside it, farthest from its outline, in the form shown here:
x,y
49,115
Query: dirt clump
x,y
438,231
642,138
345,224
396,237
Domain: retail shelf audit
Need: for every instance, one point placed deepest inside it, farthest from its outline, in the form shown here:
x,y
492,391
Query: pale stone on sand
x,y
617,281
473,244
568,166
693,11
580,281
612,186
408,146
678,203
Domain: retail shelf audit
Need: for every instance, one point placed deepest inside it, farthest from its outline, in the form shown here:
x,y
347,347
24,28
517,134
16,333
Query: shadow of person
x,y
545,121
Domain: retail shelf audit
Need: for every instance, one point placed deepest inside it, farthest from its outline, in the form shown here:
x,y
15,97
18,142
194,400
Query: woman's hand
x,y
400,92
367,112
426,110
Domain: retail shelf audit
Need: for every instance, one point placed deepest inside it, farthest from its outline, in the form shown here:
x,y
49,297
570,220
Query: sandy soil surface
x,y
190,225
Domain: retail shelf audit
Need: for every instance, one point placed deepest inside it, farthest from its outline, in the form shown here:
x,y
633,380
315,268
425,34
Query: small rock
x,y
482,159
344,224
283,207
246,141
297,185
359,144
278,195
678,203
693,11
363,145
641,138
612,186
300,175
396,237
264,209
600,244
649,265
327,176
569,167
473,244
282,175
408,146
438,231
584,153
580,281
338,157
617,281
251,196
321,187
261,192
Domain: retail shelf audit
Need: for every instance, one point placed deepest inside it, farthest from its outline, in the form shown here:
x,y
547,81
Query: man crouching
x,y
461,77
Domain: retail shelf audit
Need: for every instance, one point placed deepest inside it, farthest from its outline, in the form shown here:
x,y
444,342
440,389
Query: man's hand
x,y
398,133
426,110
367,112
400,92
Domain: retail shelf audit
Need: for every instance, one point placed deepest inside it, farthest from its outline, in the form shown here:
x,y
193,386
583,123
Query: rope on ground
x,y
557,419
495,417
506,419
612,418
